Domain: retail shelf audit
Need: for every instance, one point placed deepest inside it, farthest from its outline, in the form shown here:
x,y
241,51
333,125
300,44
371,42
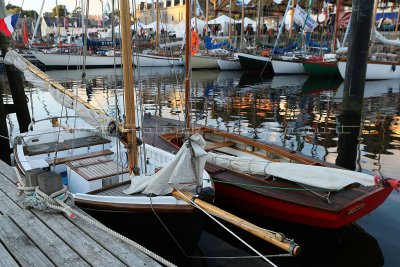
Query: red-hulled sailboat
x,y
257,177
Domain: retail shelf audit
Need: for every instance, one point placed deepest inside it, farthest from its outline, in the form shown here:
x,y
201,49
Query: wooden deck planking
x,y
65,242
21,248
5,258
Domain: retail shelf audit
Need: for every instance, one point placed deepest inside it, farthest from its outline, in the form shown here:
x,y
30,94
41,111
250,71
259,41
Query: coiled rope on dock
x,y
35,198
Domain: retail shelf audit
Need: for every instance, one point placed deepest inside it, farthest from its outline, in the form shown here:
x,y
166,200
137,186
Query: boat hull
x,y
147,230
66,60
319,68
145,60
256,64
376,71
287,67
248,200
202,62
229,64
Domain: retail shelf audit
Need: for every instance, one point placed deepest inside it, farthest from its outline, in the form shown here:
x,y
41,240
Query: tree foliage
x,y
62,11
24,13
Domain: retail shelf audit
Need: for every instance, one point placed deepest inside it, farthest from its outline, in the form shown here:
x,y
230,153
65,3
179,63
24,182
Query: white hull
x,y
203,62
375,71
287,67
229,64
64,60
145,60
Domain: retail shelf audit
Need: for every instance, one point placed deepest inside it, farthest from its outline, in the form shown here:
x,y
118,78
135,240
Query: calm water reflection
x,y
292,111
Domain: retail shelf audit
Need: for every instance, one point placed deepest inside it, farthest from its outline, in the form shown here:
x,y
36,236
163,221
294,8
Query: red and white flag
x,y
344,19
8,23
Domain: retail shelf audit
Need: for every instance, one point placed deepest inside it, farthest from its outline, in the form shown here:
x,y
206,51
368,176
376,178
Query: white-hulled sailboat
x,y
93,159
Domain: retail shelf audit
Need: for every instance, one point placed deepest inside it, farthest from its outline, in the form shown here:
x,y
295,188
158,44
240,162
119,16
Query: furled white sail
x,y
184,172
378,36
317,176
60,94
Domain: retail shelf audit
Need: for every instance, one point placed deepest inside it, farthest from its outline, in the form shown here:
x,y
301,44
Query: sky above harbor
x,y
94,5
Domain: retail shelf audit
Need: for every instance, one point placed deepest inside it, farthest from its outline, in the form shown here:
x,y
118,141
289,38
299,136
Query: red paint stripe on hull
x,y
265,206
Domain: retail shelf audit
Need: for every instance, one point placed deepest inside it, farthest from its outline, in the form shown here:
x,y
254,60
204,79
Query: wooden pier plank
x,y
44,238
20,246
71,244
125,253
5,258
82,244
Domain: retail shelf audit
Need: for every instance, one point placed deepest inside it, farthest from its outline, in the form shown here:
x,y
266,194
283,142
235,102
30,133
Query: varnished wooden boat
x,y
278,198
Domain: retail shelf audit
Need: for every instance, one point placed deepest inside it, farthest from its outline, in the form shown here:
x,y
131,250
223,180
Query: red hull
x,y
265,206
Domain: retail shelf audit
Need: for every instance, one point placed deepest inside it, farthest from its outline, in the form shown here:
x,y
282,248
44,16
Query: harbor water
x,y
297,112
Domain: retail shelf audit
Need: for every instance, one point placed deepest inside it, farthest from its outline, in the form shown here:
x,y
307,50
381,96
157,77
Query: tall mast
x,y
157,24
259,20
187,66
58,24
207,16
336,25
37,22
291,19
230,20
242,26
130,122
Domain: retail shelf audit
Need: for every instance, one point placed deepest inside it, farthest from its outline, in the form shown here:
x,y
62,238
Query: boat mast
x,y
336,25
230,21
130,120
37,22
282,26
291,19
157,24
242,27
187,67
207,17
58,24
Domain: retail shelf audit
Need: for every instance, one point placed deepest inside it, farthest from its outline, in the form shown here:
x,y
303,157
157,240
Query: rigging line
x,y
166,228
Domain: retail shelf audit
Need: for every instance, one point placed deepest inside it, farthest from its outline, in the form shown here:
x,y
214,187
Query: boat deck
x,y
36,238
51,147
275,188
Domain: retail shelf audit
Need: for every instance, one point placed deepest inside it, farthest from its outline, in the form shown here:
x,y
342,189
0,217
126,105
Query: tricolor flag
x,y
7,24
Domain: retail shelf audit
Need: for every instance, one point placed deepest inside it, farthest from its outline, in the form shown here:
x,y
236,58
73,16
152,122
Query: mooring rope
x,y
56,203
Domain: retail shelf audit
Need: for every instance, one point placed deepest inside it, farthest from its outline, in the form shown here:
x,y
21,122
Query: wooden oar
x,y
273,238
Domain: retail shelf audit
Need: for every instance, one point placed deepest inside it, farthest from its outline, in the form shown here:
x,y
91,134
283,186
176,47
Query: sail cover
x,y
64,97
184,172
322,177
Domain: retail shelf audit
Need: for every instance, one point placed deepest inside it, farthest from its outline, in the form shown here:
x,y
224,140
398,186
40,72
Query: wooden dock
x,y
36,238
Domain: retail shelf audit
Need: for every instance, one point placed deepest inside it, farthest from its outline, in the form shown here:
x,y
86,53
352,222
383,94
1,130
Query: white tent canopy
x,y
222,19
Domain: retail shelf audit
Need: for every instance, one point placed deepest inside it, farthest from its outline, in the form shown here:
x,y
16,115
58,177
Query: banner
x,y
299,18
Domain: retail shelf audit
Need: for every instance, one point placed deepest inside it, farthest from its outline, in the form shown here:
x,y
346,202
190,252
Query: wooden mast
x,y
336,25
291,19
130,120
207,7
187,65
230,21
242,26
157,24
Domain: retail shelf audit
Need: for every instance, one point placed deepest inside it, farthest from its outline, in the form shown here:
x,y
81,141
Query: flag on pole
x,y
8,23
24,33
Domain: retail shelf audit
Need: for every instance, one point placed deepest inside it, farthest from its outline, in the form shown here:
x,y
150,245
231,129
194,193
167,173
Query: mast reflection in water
x,y
297,112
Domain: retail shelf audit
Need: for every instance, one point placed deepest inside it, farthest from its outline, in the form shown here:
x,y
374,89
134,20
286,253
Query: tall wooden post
x,y
4,143
15,81
354,82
